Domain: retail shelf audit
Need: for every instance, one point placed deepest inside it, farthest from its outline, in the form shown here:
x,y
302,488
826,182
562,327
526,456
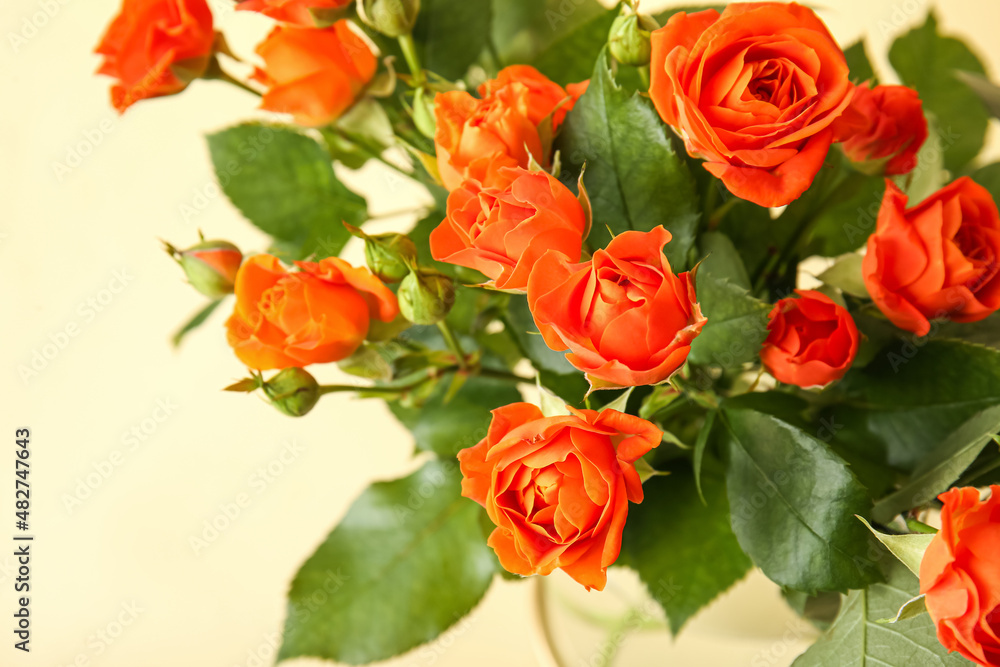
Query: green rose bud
x,y
392,18
210,266
388,255
426,296
293,391
629,40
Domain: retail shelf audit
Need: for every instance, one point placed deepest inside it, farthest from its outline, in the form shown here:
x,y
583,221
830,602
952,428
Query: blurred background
x,y
135,450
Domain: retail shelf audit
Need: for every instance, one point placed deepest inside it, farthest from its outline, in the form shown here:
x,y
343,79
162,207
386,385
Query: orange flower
x,y
812,340
544,95
960,577
625,317
558,488
314,74
883,129
502,231
477,138
317,315
936,260
753,91
155,48
295,12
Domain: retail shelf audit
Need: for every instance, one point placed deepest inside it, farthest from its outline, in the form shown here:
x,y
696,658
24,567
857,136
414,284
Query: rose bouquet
x,y
694,293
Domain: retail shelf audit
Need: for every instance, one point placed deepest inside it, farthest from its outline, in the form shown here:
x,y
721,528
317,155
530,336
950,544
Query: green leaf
x,y
911,609
927,61
664,16
987,91
844,225
909,549
450,34
684,551
858,63
846,276
283,182
635,177
793,501
406,562
721,259
989,178
752,231
446,427
736,326
700,445
524,28
857,639
584,42
195,322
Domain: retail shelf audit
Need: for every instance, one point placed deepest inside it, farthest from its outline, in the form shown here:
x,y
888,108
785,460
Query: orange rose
x,y
314,74
317,315
295,12
502,231
753,91
544,95
625,317
937,259
477,138
812,340
883,129
960,577
156,48
558,488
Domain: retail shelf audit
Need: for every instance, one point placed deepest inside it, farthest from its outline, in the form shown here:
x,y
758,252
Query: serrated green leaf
x,y
721,259
450,34
283,182
635,176
785,482
909,549
736,326
684,551
374,588
928,61
585,42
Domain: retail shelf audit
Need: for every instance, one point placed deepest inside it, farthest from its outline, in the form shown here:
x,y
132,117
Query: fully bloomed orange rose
x,y
883,129
502,231
477,138
156,48
753,91
937,260
558,488
812,341
960,577
315,74
625,317
314,316
295,12
545,97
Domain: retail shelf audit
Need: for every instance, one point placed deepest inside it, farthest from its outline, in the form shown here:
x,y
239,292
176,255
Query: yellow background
x,y
66,233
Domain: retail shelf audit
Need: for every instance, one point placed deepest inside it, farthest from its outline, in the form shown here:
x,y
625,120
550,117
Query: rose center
x,y
971,242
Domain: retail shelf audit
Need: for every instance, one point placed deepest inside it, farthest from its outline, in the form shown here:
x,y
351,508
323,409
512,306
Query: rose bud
x,y
558,488
426,296
629,39
477,138
156,48
305,13
546,98
812,341
502,231
314,74
317,315
626,318
392,18
936,260
883,129
210,266
293,391
958,575
752,91
389,256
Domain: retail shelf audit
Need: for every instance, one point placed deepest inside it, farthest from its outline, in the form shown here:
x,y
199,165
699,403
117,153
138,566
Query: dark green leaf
x,y
684,550
927,61
450,34
635,177
989,178
283,182
858,63
856,639
195,322
522,29
988,91
447,427
736,327
665,15
720,258
584,43
793,501
754,234
846,223
406,562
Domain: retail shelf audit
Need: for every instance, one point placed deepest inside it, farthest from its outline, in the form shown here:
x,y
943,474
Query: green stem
x,y
216,72
720,212
453,344
644,75
372,153
504,375
412,59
